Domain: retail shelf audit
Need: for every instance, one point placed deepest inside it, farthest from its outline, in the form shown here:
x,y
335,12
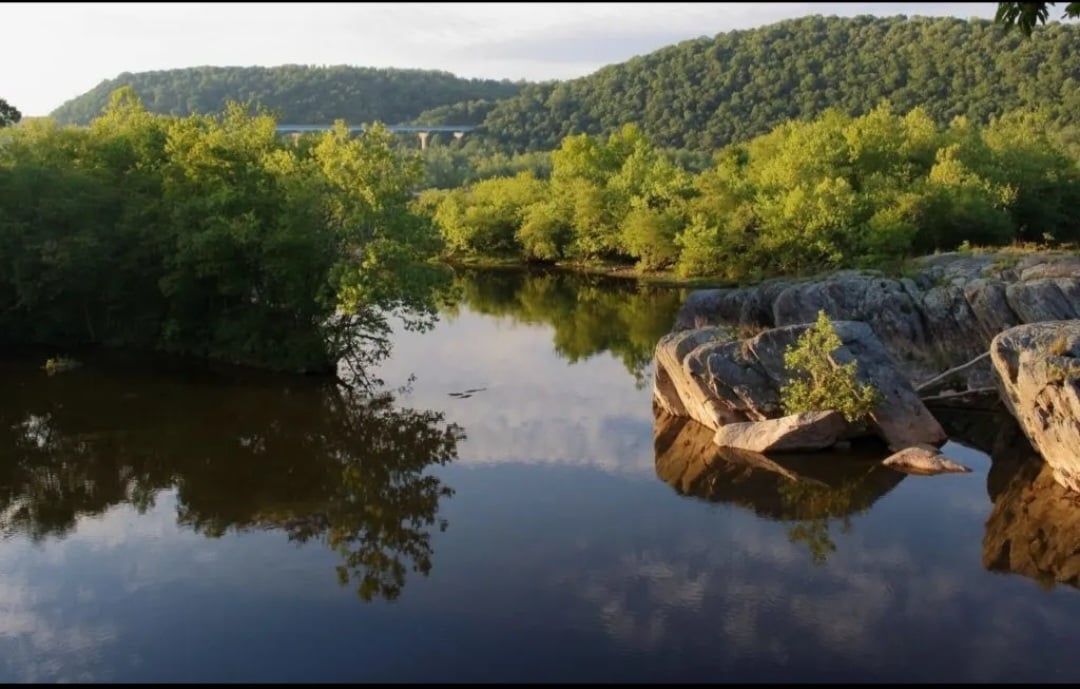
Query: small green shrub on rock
x,y
817,383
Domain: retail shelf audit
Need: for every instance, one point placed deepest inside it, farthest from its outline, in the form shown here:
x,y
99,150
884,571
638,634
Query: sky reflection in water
x,y
184,529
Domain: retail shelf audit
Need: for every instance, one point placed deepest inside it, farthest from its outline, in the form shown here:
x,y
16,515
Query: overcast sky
x,y
53,52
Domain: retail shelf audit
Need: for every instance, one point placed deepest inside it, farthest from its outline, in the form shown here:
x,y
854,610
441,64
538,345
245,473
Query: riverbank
x,y
1003,258
615,270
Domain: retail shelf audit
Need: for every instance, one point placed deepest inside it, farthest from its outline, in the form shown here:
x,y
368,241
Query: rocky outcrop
x,y
924,462
717,381
676,390
944,314
1038,373
1034,527
815,430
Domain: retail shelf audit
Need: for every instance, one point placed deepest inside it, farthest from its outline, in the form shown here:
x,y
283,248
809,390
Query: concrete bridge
x,y
421,130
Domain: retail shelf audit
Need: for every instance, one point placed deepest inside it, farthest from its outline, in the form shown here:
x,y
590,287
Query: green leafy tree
x,y
836,191
211,236
9,114
1026,15
818,383
485,219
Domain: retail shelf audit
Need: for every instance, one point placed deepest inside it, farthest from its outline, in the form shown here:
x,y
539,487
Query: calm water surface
x,y
516,514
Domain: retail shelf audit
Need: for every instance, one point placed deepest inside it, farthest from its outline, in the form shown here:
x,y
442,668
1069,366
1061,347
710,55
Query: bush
x,y
818,383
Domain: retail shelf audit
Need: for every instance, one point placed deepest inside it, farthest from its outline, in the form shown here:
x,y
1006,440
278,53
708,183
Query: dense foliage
x,y
706,93
832,192
470,112
208,235
698,95
297,94
451,166
9,114
1026,15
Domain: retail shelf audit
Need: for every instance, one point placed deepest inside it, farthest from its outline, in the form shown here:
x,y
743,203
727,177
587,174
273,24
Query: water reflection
x,y
589,314
566,559
1034,527
312,460
813,490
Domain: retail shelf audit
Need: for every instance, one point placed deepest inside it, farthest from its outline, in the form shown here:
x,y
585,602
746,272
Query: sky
x,y
52,52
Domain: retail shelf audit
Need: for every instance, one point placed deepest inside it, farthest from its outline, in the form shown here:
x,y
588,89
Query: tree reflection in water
x,y
808,491
243,451
589,314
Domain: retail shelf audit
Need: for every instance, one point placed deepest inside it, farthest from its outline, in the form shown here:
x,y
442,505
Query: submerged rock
x,y
923,461
1038,373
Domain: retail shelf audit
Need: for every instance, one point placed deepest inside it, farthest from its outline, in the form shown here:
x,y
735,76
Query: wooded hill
x,y
296,93
700,94
705,93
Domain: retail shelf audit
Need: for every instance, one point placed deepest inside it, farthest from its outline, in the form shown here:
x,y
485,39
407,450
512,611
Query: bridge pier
x,y
458,135
423,140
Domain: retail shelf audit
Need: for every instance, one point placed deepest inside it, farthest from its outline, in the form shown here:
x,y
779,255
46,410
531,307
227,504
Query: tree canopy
x,y
835,191
209,236
1026,15
9,114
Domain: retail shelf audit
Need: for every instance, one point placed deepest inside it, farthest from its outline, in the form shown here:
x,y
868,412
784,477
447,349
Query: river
x,y
508,510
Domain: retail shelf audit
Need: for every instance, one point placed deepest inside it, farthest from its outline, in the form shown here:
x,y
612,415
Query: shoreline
x,y
900,268
614,270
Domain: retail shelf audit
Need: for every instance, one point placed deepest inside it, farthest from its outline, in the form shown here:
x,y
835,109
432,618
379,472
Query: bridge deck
x,y
300,128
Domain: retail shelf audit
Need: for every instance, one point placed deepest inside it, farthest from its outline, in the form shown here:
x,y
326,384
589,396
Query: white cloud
x,y
53,52
536,408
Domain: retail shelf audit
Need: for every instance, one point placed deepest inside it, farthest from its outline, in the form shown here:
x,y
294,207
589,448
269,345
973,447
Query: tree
x,y
818,383
211,236
1025,15
9,114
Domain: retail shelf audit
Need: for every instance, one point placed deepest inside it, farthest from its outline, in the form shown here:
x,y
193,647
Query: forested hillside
x,y
299,94
705,93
